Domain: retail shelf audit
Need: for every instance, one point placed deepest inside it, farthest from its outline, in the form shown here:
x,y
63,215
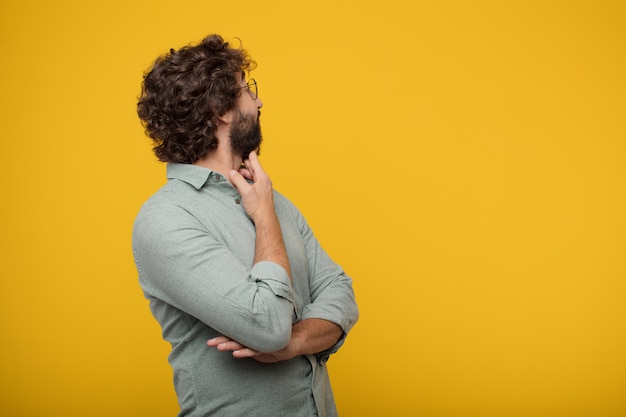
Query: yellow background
x,y
463,161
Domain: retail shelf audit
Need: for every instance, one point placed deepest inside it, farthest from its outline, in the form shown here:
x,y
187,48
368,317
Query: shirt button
x,y
238,201
217,177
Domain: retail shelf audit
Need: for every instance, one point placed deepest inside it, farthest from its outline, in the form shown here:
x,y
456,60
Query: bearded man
x,y
252,305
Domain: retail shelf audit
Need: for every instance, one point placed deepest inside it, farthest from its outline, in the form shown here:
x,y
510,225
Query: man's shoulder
x,y
169,199
285,208
283,201
166,194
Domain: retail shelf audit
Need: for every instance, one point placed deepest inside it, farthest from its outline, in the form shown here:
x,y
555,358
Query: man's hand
x,y
258,197
224,344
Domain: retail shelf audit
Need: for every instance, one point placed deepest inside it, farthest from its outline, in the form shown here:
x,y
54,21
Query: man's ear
x,y
226,118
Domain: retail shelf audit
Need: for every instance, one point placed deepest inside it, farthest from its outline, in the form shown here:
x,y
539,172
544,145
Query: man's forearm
x,y
312,336
308,337
269,242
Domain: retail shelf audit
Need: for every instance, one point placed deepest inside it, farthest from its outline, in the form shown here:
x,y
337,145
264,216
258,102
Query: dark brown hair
x,y
185,91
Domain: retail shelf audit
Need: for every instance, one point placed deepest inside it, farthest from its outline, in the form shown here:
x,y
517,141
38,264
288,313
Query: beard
x,y
245,134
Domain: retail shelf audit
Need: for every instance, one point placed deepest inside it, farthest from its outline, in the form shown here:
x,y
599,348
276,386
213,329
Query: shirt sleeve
x,y
182,265
332,295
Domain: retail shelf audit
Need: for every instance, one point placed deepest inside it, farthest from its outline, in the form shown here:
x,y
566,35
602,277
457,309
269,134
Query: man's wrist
x,y
265,216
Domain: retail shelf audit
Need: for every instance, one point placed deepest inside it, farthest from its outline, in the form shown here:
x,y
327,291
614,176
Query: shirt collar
x,y
191,174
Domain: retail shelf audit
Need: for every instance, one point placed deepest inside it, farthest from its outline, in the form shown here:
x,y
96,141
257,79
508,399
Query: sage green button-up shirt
x,y
194,248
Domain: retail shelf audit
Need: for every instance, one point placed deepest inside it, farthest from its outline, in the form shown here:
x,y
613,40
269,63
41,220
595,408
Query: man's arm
x,y
333,298
258,201
184,265
308,337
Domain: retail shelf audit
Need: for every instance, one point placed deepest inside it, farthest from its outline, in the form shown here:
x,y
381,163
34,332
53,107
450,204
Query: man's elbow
x,y
274,337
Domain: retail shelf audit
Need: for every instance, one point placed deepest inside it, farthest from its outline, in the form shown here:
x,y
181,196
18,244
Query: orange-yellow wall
x,y
464,161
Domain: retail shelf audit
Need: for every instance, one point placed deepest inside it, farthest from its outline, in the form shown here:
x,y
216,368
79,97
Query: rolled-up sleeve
x,y
332,294
181,264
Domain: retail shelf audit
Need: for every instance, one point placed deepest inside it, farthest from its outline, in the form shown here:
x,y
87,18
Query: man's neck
x,y
221,159
220,162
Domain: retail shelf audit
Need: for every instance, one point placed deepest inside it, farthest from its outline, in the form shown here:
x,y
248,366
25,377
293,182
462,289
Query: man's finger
x,y
217,340
246,173
253,162
245,353
224,343
238,180
230,345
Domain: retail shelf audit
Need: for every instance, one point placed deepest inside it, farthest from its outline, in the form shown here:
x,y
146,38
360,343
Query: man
x,y
251,304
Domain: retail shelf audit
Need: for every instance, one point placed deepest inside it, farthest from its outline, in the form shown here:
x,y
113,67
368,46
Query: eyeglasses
x,y
252,88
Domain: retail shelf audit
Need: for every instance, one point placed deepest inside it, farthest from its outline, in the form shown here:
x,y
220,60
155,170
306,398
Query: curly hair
x,y
185,91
